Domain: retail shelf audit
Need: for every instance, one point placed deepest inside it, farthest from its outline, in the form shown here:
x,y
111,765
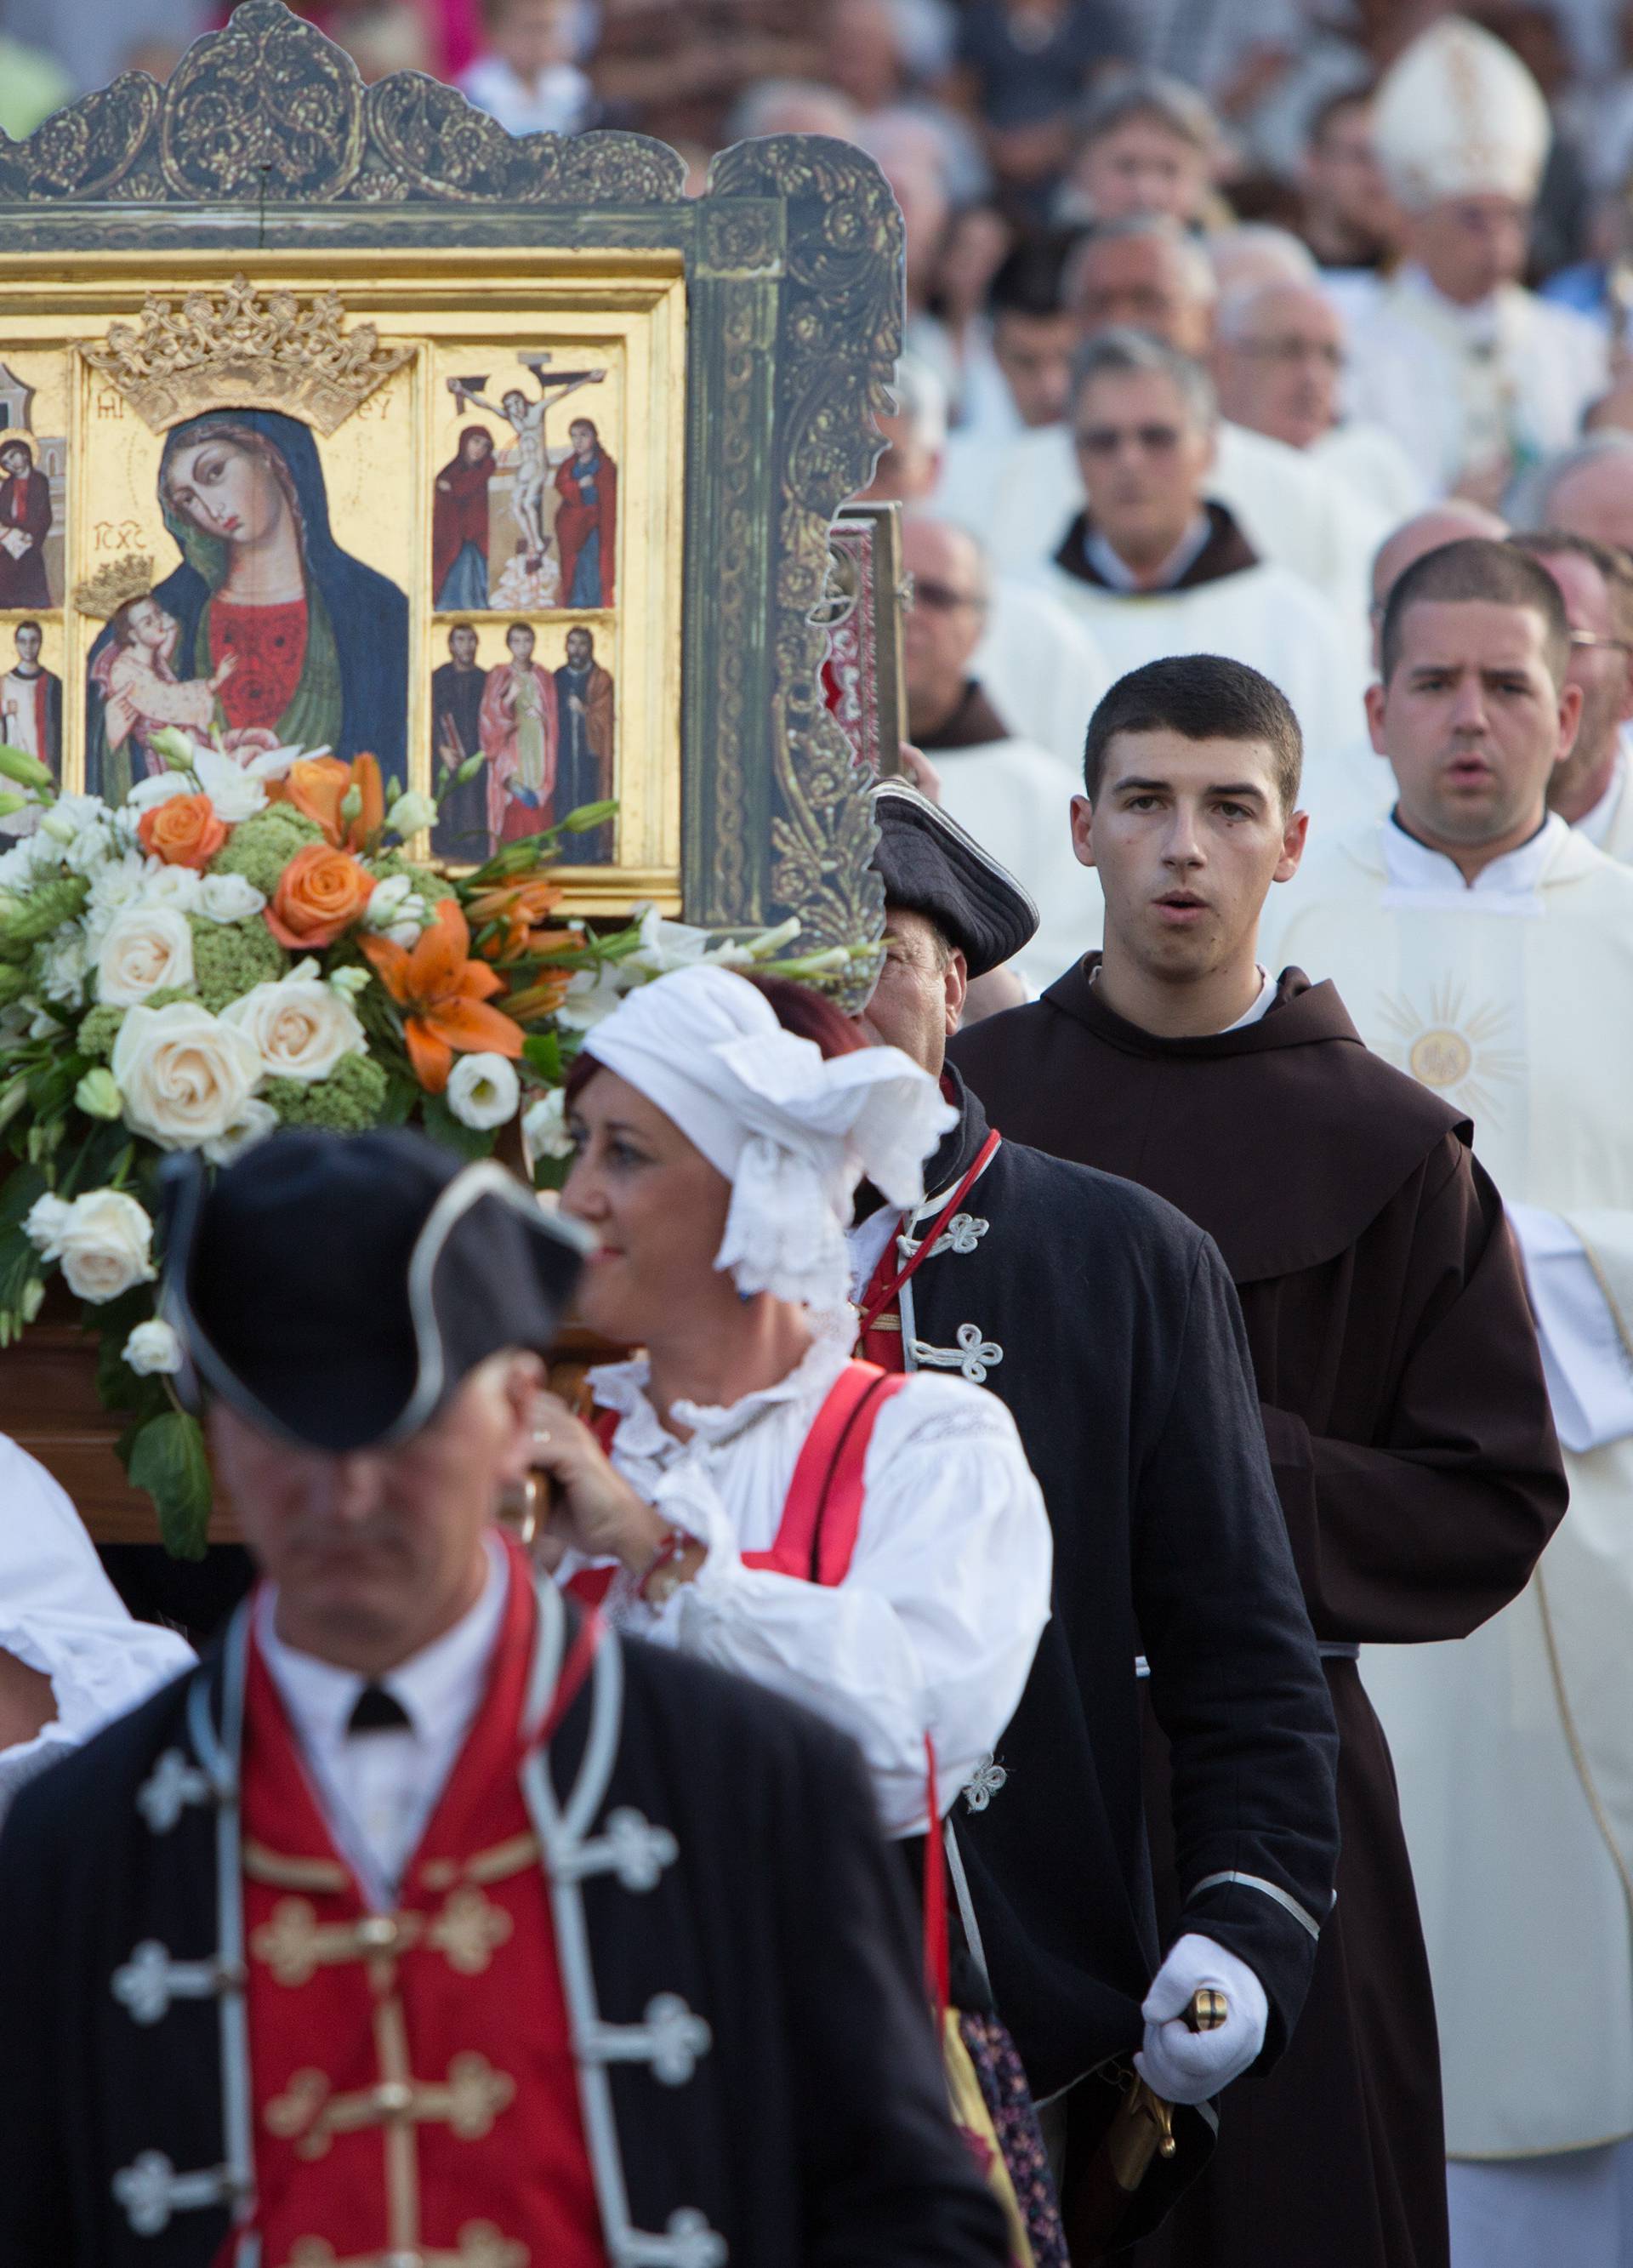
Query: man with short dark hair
x,y
1155,565
1589,789
1140,1418
1398,1374
1487,948
1349,221
428,1921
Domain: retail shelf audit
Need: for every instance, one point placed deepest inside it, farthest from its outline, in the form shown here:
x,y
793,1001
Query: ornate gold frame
x,y
266,152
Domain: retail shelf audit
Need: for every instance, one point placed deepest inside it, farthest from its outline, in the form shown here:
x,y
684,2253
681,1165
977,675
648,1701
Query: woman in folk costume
x,y
874,1546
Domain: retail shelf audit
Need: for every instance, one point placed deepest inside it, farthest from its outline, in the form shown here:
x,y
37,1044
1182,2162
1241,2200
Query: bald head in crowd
x,y
1415,538
1590,490
1278,361
1144,275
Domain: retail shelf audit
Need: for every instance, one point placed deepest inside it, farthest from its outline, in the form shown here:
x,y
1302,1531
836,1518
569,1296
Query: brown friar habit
x,y
1410,1438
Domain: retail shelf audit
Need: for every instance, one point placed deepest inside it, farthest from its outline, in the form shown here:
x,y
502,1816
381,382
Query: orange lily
x,y
443,994
516,906
318,785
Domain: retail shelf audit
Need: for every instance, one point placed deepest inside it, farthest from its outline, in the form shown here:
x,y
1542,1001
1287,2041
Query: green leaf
x,y
168,1460
543,1053
23,1186
441,1124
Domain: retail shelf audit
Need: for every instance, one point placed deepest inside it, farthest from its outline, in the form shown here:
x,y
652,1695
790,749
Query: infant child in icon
x,y
141,687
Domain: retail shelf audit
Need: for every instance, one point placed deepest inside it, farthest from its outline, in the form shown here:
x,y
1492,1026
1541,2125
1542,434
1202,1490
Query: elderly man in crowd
x,y
1278,361
1147,274
1037,664
1156,565
1588,490
1012,796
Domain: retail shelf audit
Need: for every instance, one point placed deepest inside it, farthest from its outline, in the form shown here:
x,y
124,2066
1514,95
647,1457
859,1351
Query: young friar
x,y
1399,1379
430,1920
1171,1562
1486,946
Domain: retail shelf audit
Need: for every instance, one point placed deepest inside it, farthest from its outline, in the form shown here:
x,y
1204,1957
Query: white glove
x,y
1185,2066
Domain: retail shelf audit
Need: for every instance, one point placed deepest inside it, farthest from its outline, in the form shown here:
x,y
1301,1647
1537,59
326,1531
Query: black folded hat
x,y
336,1288
932,867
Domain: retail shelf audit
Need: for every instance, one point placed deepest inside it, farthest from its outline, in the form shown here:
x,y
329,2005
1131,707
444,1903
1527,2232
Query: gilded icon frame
x,y
772,307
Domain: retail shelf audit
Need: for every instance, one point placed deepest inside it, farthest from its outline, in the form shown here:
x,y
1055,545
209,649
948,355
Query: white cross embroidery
x,y
671,2040
632,1848
151,1980
962,1233
151,2191
172,1784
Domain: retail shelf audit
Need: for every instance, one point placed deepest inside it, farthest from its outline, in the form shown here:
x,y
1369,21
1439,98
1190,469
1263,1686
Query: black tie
x,y
376,1711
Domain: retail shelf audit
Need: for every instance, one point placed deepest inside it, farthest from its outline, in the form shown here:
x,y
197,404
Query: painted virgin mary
x,y
319,641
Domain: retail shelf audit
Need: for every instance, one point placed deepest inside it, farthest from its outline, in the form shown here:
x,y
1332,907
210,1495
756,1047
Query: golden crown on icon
x,y
238,348
114,582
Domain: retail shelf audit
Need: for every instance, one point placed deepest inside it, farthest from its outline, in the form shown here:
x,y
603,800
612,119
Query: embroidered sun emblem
x,y
1455,1046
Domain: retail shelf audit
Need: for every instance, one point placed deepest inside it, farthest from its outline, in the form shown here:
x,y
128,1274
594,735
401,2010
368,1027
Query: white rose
x,y
185,1076
148,792
146,947
153,1349
43,1225
544,1126
254,1123
172,885
299,1026
106,1244
229,897
233,793
483,1091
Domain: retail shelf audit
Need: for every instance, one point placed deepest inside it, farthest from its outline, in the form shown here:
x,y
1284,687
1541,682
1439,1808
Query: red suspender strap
x,y
879,1301
937,1958
823,1512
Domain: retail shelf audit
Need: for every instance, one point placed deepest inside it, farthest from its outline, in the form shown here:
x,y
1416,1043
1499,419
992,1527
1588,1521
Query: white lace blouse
x,y
934,1626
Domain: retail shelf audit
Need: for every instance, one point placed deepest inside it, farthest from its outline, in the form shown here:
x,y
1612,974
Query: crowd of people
x,y
1072,1699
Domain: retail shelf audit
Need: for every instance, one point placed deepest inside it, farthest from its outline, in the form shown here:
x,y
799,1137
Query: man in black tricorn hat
x,y
1108,1324
427,1925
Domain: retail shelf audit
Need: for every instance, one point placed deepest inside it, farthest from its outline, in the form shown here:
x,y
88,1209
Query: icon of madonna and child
x,y
269,632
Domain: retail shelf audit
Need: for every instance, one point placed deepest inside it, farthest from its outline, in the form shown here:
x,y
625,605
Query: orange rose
x,y
184,832
320,893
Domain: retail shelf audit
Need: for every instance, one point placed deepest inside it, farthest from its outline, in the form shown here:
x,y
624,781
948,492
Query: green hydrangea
x,y
100,1030
24,921
261,848
231,958
345,1103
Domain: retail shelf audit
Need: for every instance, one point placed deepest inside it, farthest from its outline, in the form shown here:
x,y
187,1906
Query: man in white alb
x,y
1487,948
1156,565
1477,377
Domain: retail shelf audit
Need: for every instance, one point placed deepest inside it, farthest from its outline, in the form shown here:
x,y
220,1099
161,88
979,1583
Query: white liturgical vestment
x,y
1514,1747
1294,510
1458,386
1261,614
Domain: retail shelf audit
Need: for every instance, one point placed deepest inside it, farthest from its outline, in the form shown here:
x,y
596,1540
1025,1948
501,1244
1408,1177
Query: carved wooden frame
x,y
266,135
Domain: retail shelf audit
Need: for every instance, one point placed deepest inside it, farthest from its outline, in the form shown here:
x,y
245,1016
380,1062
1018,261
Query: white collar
x,y
1261,1007
622,1387
1595,825
1479,323
1112,570
1506,885
440,1684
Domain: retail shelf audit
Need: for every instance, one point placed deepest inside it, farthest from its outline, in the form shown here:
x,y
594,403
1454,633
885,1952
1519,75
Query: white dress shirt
x,y
934,1628
379,1789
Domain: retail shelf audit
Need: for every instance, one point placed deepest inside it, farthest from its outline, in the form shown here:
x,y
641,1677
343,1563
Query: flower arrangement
x,y
248,944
